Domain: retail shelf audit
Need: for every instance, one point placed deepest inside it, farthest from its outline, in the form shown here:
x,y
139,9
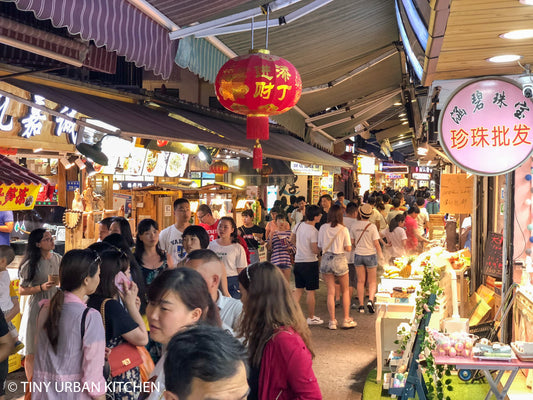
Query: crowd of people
x,y
197,308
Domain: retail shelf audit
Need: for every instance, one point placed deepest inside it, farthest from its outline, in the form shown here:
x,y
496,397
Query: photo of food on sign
x,y
133,165
155,163
176,164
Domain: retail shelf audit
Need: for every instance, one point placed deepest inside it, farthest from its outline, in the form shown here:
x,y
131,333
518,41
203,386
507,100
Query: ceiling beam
x,y
248,14
272,23
388,52
378,106
353,104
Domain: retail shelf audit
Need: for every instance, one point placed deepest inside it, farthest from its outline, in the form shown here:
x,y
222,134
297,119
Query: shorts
x,y
306,275
335,264
366,261
283,266
352,275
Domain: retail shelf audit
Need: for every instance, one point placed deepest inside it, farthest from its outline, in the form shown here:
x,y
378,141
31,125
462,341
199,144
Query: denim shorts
x,y
366,261
335,264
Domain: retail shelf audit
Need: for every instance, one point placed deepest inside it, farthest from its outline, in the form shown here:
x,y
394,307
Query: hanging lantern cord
x,y
268,16
252,32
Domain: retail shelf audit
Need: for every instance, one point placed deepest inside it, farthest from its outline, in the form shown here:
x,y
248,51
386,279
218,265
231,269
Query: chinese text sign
x,y
486,127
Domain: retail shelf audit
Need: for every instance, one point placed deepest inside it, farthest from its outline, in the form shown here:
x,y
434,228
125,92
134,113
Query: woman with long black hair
x,y
277,336
38,264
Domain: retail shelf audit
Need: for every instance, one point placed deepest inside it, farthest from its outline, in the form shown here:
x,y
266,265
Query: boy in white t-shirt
x,y
305,237
9,304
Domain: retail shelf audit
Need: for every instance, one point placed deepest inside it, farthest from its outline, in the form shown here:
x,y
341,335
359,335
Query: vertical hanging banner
x,y
485,127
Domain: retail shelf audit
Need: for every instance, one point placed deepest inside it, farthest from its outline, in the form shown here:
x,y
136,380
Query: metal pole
x,y
507,250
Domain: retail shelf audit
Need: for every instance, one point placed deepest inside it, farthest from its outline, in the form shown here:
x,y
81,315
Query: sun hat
x,y
366,210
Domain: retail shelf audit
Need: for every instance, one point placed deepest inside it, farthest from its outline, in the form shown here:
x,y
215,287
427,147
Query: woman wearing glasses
x,y
277,336
39,264
70,336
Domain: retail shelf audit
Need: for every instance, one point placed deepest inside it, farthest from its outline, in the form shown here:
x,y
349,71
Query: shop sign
x,y
425,170
394,176
485,127
421,177
18,197
33,122
395,168
72,185
366,165
310,170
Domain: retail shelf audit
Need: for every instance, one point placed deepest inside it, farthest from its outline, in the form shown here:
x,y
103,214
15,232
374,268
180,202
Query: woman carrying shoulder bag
x,y
70,343
124,326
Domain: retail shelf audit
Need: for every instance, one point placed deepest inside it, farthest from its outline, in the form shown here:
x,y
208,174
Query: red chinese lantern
x,y
266,170
218,168
258,85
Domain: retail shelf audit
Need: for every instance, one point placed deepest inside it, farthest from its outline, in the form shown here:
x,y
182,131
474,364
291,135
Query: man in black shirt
x,y
253,235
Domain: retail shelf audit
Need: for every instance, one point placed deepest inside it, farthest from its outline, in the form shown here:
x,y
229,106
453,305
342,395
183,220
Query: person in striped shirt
x,y
282,247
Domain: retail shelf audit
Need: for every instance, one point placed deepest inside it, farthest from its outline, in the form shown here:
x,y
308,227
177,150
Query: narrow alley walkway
x,y
343,357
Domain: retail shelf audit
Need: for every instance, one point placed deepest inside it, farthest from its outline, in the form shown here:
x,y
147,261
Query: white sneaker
x,y
332,325
314,321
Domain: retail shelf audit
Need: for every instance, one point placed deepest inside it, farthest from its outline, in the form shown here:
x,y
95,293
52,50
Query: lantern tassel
x,y
257,127
258,156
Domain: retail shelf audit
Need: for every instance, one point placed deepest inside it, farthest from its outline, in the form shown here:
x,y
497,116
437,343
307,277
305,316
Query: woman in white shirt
x,y
396,238
334,240
231,253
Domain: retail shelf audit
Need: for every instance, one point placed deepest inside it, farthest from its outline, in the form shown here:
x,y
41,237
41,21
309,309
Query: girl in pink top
x,y
70,343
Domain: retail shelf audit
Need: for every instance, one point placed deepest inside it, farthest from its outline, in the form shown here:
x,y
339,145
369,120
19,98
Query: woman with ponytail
x,y
70,343
38,264
177,298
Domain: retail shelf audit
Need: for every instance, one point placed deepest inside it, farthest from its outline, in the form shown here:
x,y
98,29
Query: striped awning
x,y
200,57
115,24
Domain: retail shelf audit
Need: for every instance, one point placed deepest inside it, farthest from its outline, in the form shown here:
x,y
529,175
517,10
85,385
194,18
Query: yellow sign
x,y
456,191
18,197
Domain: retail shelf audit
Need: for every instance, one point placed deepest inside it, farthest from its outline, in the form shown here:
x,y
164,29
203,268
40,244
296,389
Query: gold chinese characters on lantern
x,y
258,85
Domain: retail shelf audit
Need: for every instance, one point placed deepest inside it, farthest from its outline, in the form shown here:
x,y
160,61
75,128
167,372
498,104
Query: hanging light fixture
x,y
93,151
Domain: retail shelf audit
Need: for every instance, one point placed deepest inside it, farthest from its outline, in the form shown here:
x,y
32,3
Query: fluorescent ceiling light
x,y
407,46
402,115
405,123
518,34
416,23
397,103
504,58
526,2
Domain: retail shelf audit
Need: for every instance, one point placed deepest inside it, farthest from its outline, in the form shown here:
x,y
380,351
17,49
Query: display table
x,y
511,366
389,316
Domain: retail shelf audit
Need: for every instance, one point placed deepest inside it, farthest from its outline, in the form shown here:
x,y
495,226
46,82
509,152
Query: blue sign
x,y
72,185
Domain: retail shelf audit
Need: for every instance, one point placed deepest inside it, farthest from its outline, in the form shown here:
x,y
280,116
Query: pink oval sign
x,y
486,126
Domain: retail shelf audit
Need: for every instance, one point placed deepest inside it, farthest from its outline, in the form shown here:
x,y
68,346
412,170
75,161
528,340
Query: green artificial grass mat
x,y
461,390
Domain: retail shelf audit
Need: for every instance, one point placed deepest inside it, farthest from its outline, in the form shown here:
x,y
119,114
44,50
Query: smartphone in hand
x,y
122,280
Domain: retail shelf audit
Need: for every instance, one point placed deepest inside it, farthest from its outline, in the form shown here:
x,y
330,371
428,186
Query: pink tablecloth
x,y
474,363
